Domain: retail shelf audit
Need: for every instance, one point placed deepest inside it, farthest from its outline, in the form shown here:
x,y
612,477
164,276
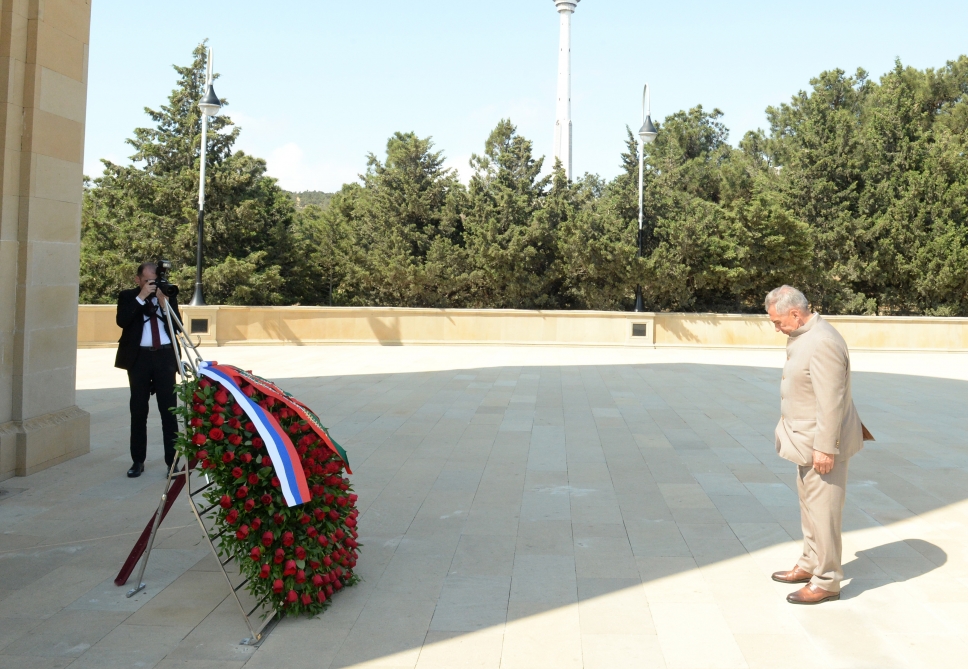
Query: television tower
x,y
563,113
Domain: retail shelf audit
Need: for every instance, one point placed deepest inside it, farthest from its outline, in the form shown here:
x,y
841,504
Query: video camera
x,y
162,283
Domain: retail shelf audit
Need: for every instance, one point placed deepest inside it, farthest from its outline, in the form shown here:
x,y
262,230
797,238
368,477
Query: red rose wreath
x,y
297,556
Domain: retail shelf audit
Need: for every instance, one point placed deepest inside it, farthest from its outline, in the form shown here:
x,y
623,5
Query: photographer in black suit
x,y
145,351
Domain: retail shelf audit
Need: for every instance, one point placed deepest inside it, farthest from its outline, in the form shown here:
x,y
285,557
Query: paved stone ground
x,y
526,508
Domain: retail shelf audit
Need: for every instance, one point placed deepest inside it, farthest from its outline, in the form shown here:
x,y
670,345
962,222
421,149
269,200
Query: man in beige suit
x,y
819,431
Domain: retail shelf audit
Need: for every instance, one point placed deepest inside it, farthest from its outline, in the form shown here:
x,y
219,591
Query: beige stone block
x,y
54,221
13,44
55,136
8,449
47,391
8,285
71,17
11,181
9,218
51,307
96,326
59,51
62,95
55,179
53,263
52,438
51,349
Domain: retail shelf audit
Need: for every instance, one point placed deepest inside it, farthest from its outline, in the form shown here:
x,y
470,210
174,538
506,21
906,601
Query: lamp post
x,y
209,106
647,135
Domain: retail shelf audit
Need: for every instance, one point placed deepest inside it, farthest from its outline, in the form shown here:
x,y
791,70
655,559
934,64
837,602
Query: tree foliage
x,y
857,192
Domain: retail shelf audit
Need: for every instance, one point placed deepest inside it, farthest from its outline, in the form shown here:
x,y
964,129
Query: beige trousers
x,y
821,515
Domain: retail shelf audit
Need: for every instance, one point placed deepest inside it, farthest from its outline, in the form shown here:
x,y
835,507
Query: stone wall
x,y
227,326
43,97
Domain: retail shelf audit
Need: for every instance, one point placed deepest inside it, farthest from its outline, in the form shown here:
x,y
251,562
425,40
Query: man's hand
x,y
146,291
822,462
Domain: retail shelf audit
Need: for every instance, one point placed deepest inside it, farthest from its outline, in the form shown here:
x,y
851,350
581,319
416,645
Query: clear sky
x,y
316,84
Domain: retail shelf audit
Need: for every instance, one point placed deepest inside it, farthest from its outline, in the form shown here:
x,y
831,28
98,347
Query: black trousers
x,y
153,369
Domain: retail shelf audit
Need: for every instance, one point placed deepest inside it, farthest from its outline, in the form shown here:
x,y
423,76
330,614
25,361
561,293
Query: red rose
x,y
257,443
237,410
337,585
264,571
253,477
236,472
328,499
275,482
208,464
341,501
311,532
225,502
319,513
300,553
255,553
304,519
249,504
232,516
300,576
205,383
277,586
327,561
198,438
354,497
351,542
242,532
318,581
322,540
235,439
248,390
234,423
306,599
294,428
257,523
195,422
199,408
290,568
267,539
279,556
333,514
321,596
291,597
277,518
227,456
338,534
216,419
216,408
216,434
287,539
242,492
221,396
351,522
329,590
249,427
266,460
267,499
246,458
202,454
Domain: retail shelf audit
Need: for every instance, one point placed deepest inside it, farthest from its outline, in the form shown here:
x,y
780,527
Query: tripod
x,y
188,358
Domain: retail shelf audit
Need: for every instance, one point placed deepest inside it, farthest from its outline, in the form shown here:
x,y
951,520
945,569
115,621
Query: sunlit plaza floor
x,y
525,507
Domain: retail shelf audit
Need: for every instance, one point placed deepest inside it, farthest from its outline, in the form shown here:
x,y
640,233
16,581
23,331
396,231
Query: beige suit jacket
x,y
816,408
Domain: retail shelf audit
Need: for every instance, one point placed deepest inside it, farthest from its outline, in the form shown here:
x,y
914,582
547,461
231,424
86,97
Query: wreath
x,y
296,556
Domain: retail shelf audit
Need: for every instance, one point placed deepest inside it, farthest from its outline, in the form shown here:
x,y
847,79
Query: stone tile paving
x,y
526,508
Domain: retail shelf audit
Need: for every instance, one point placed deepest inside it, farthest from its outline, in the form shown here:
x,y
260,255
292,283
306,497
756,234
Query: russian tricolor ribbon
x,y
285,459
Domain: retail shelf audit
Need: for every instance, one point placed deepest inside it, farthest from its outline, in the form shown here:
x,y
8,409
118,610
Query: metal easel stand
x,y
189,359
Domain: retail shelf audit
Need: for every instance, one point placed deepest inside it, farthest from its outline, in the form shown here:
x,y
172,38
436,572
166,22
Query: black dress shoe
x,y
136,469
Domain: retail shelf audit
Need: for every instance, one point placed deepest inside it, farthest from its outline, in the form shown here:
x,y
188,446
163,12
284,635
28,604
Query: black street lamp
x,y
210,106
647,134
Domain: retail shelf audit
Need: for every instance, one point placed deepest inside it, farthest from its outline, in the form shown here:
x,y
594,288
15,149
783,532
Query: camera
x,y
162,283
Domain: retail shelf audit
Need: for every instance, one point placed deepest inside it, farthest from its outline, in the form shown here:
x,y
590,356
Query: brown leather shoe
x,y
795,575
811,594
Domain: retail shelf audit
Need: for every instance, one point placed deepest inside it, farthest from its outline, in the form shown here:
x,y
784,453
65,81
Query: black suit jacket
x,y
131,319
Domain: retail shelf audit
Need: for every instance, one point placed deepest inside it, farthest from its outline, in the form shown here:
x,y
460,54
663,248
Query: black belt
x,y
163,346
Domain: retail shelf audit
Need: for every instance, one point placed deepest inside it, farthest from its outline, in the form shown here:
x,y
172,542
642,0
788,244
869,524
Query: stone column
x,y
43,96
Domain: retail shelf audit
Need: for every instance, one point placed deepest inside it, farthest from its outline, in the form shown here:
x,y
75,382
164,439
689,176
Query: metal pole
x,y
198,300
639,306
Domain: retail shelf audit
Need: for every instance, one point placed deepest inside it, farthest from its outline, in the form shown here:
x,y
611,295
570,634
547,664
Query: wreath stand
x,y
258,614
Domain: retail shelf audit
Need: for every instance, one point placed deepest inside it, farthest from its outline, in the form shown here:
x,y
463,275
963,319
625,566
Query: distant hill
x,y
308,197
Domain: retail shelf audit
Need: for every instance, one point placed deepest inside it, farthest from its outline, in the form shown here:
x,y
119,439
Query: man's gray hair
x,y
785,298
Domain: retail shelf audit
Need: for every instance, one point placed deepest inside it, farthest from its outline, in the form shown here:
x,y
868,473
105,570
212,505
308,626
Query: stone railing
x,y
229,326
